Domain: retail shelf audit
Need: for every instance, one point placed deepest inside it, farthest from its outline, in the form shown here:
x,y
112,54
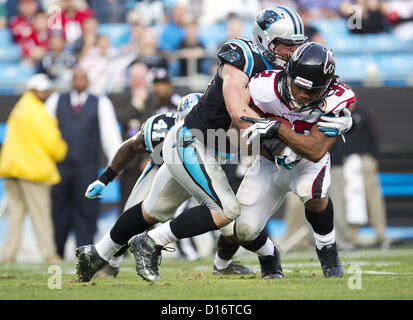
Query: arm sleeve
x,y
110,135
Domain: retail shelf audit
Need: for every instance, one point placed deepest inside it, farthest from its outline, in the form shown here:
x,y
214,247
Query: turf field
x,y
369,274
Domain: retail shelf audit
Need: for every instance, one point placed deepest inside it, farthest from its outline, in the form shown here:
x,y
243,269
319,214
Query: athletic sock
x,y
193,222
115,261
322,224
162,235
261,245
106,247
190,223
129,223
220,263
225,249
267,249
121,251
225,252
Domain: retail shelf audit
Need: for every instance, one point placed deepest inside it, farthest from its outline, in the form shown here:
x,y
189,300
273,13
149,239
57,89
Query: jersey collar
x,y
267,64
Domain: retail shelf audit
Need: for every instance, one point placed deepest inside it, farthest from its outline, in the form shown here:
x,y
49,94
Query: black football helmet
x,y
312,67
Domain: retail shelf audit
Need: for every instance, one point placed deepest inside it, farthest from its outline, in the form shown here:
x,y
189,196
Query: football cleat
x,y
233,268
330,261
271,266
147,256
107,272
88,262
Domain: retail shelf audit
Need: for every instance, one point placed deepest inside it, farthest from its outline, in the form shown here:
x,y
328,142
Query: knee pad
x,y
246,232
304,190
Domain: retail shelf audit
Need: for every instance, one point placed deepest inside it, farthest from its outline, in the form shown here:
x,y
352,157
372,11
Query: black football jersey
x,y
154,131
211,112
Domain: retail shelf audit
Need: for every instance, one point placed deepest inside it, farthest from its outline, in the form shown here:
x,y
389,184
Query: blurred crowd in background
x,y
106,36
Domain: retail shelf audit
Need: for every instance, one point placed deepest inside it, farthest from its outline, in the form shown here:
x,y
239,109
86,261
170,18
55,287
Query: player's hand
x,y
94,190
263,128
286,158
334,126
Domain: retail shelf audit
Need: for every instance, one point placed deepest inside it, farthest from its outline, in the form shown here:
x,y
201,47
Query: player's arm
x,y
123,156
313,147
127,152
236,95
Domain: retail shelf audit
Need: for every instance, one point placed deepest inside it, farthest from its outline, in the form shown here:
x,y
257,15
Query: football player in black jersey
x,y
277,33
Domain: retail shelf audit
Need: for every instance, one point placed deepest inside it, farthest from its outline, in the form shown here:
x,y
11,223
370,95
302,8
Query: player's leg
x,y
261,193
131,222
138,194
310,181
227,246
196,169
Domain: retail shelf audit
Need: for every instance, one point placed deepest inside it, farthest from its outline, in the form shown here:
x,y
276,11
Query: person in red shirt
x,y
72,16
35,46
21,25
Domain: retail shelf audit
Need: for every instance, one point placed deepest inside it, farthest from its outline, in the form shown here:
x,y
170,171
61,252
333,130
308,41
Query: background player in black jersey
x,y
149,139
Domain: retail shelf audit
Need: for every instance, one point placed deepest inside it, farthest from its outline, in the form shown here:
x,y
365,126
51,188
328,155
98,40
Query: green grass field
x,y
379,275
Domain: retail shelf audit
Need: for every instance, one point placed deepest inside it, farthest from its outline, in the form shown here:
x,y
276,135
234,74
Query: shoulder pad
x,y
339,97
239,53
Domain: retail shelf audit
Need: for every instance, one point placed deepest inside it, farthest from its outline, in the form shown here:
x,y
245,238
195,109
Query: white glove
x,y
334,126
94,190
286,158
263,128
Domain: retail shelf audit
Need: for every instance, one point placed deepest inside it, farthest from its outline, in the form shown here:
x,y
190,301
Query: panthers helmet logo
x,y
267,18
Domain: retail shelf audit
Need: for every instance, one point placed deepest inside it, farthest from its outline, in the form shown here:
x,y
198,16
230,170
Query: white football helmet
x,y
186,104
274,25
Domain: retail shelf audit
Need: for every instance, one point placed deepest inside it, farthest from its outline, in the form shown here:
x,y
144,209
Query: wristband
x,y
275,129
107,176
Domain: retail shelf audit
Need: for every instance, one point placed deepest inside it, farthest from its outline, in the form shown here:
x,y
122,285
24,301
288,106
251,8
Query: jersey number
x,y
302,127
339,88
160,128
264,74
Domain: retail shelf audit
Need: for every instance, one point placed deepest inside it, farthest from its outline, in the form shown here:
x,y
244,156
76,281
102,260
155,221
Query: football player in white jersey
x,y
307,90
302,94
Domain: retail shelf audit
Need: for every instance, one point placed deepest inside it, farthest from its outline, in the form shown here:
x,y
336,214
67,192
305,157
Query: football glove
x,y
286,158
334,126
274,146
263,128
94,190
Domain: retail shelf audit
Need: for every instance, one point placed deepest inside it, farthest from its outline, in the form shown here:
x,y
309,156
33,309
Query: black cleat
x,y
233,268
147,256
88,262
107,272
330,261
271,266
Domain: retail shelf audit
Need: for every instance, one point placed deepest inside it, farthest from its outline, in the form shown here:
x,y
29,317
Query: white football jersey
x,y
265,98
